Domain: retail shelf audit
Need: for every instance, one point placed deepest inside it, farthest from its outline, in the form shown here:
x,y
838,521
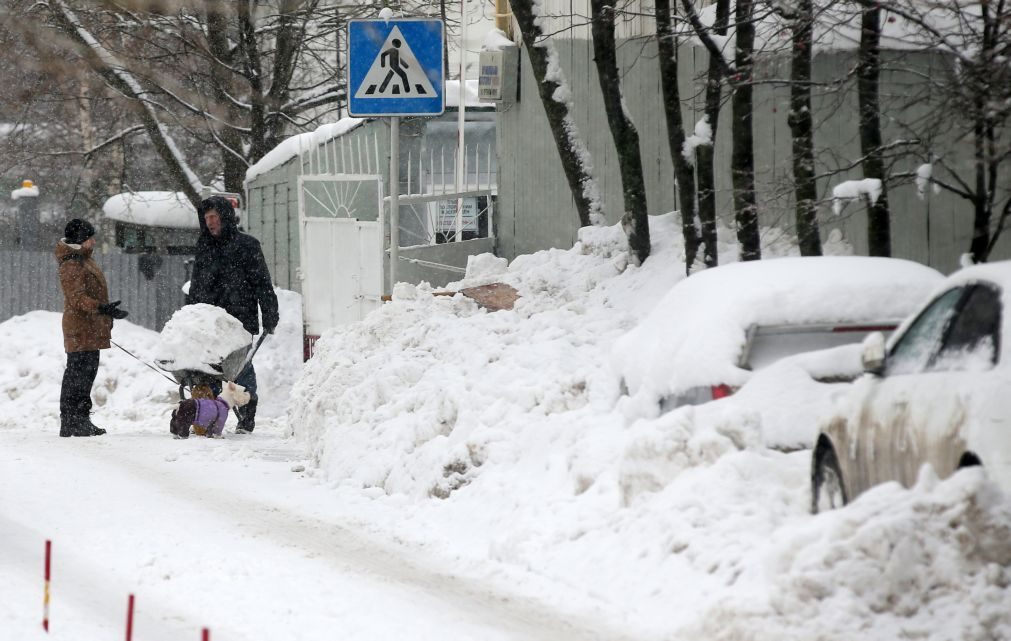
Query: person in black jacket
x,y
230,272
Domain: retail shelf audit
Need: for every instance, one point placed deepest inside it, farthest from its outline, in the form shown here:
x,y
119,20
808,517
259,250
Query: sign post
x,y
395,68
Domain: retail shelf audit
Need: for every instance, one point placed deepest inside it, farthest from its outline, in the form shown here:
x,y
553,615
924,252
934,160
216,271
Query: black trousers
x,y
78,378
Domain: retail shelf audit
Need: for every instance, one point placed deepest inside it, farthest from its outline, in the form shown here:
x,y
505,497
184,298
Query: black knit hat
x,y
78,231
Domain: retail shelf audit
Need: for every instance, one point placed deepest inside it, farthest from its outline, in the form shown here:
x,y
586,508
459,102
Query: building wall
x,y
537,212
272,197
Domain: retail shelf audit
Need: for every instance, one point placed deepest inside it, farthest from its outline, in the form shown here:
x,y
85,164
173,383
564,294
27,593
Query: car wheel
x,y
969,459
827,488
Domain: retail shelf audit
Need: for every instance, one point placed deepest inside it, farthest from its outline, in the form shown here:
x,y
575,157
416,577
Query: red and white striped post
x,y
45,592
129,618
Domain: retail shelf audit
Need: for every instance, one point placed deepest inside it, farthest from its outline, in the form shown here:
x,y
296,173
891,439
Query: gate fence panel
x,y
150,286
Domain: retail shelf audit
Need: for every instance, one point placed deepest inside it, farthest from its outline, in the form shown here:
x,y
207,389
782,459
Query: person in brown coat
x,y
87,325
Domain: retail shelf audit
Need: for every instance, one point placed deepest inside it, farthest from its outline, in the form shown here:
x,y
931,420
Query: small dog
x,y
207,415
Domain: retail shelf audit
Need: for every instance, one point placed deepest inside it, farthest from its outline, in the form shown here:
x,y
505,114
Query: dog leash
x,y
149,366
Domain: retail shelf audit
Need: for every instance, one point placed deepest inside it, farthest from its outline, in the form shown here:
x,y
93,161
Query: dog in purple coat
x,y
206,413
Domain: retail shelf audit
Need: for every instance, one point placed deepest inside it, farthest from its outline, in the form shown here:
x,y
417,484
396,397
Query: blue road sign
x,y
395,67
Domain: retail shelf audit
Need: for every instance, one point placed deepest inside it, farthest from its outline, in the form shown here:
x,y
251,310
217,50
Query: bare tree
x,y
801,120
742,162
667,49
704,156
974,99
635,220
235,77
555,97
868,74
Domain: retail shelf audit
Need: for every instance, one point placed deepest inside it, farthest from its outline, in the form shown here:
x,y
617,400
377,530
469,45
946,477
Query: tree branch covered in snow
x,y
106,64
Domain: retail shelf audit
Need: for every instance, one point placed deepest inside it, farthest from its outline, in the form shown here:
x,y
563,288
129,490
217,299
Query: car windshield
x,y
922,339
960,330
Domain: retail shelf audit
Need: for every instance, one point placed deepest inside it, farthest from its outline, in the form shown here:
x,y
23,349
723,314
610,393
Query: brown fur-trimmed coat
x,y
84,289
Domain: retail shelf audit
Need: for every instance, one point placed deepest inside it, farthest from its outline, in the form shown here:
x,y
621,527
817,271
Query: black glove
x,y
112,309
269,330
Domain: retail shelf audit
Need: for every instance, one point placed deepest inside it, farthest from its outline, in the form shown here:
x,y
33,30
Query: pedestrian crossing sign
x,y
395,67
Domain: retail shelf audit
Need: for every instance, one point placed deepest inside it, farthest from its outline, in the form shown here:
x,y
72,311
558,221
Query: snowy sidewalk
x,y
220,533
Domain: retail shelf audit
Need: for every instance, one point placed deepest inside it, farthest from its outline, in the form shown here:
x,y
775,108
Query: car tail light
x,y
308,346
721,391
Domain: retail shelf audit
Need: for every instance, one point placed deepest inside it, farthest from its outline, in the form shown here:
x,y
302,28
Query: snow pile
x,y
152,209
933,562
129,387
198,337
495,437
31,372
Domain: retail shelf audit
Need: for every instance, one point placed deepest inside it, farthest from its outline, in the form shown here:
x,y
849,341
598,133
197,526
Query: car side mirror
x,y
872,356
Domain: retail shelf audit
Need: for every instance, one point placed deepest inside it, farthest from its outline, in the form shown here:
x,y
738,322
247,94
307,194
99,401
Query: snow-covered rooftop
x,y
25,192
300,143
152,209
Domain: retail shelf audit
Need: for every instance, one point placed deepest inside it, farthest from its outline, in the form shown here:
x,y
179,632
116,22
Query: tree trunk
x,y
626,138
868,70
704,155
668,54
743,157
801,127
574,155
219,44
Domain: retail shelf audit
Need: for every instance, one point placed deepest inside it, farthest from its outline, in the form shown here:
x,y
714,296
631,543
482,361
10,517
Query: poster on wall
x,y
442,216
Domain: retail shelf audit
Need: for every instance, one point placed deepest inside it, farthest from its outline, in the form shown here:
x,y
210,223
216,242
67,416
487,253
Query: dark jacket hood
x,y
229,223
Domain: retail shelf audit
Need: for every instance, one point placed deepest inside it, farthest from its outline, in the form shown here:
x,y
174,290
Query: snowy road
x,y
223,534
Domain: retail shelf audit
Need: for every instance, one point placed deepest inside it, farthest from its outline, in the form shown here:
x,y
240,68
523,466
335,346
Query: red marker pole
x,y
205,635
45,592
129,619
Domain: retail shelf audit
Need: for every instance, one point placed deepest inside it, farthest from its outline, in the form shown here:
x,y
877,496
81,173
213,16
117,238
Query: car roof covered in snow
x,y
695,334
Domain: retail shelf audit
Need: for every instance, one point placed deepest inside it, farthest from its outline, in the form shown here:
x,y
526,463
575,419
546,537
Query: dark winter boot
x,y
74,426
247,416
95,430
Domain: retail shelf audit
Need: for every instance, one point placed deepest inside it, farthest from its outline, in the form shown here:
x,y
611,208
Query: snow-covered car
x,y
937,392
715,328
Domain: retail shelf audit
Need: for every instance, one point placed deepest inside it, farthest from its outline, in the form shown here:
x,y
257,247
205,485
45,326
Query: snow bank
x,y
933,562
31,372
128,389
494,438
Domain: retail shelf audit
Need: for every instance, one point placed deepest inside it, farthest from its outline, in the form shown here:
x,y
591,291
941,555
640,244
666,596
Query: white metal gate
x,y
341,238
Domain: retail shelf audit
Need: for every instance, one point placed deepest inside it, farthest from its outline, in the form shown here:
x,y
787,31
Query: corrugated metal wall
x,y
29,282
535,213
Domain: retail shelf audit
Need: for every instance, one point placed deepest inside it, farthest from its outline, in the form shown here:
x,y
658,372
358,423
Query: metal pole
x,y
394,198
461,156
